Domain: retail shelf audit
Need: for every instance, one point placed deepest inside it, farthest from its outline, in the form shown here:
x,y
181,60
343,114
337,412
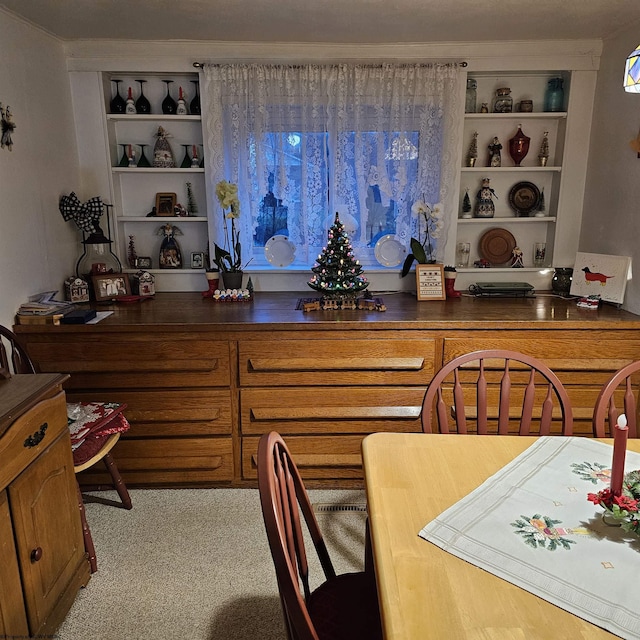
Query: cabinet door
x,y
44,504
13,621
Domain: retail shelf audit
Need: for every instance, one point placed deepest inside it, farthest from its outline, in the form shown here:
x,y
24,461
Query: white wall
x,y
611,216
38,249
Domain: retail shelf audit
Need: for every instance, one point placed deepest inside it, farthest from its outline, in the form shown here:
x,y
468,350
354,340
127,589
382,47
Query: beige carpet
x,y
195,565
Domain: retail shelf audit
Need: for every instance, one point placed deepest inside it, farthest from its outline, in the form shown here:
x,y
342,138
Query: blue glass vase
x,y
554,97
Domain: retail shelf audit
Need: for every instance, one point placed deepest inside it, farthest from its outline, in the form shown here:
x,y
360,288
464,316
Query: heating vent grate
x,y
333,508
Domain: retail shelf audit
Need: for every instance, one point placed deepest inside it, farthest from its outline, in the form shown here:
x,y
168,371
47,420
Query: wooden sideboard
x,y
41,545
203,379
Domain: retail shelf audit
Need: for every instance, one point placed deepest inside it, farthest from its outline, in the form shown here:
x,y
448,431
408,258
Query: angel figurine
x,y
170,254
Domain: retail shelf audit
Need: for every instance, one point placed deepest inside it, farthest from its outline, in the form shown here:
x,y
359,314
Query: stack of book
x,y
42,308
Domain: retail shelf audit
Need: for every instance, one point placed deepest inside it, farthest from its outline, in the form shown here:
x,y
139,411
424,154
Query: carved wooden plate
x,y
524,198
497,245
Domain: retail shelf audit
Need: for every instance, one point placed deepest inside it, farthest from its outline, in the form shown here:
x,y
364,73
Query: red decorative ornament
x,y
519,146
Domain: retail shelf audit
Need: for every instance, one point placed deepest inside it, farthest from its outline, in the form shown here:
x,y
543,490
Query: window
x,y
305,142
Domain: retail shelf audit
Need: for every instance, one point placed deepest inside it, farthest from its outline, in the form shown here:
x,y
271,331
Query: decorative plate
x,y
280,251
389,252
524,198
497,245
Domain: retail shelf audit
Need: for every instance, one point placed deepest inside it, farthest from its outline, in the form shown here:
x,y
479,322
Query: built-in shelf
x,y
504,220
516,115
156,170
512,169
157,219
150,117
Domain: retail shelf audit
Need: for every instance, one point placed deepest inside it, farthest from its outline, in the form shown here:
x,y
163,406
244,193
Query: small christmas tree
x,y
466,202
472,154
192,207
337,274
132,256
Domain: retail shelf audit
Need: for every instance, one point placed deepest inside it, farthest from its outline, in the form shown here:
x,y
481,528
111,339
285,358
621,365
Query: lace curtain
x,y
363,140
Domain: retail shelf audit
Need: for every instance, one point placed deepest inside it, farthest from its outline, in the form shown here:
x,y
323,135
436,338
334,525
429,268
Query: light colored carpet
x,y
194,565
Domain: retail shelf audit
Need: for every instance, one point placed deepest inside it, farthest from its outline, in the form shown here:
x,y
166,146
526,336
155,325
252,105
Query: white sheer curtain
x,y
363,140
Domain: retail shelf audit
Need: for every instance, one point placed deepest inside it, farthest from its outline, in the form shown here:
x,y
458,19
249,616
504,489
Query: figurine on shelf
x,y
181,109
162,154
543,154
516,258
170,254
484,200
472,154
495,159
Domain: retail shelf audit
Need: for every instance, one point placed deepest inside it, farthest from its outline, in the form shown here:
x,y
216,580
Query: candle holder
x,y
621,510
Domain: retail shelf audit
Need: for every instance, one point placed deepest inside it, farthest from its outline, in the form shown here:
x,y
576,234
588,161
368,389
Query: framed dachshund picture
x,y
601,275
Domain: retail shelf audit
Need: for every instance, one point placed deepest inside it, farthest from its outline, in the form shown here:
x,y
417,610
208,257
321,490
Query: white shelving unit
x,y
548,178
134,188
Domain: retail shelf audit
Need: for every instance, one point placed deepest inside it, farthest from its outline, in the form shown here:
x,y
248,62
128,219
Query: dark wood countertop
x,y
277,311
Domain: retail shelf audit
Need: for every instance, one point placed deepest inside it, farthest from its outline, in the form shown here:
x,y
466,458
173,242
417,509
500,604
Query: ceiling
x,y
331,21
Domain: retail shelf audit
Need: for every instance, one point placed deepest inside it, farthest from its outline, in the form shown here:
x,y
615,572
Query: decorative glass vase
x,y
168,104
471,96
232,279
117,104
503,102
143,162
142,104
519,146
554,97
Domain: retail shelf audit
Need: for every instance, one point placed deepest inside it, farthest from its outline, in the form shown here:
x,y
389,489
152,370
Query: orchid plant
x,y
229,257
429,225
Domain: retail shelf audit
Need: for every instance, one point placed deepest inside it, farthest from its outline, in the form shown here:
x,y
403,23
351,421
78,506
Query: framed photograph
x,y
602,275
166,204
197,260
143,262
111,286
430,282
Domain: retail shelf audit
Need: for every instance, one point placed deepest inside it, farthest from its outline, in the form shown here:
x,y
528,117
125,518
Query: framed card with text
x,y
430,282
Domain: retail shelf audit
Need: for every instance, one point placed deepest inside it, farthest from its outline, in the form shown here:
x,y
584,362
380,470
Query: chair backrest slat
x,y
503,377
606,412
18,356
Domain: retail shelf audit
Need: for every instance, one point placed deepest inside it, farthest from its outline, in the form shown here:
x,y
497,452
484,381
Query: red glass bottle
x,y
519,146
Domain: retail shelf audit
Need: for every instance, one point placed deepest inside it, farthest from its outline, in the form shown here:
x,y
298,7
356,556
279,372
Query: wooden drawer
x,y
135,361
169,413
168,461
335,410
589,358
336,362
317,458
30,435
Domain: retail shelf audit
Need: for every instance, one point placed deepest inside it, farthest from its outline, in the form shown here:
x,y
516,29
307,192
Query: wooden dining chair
x,y
342,607
93,448
624,386
496,391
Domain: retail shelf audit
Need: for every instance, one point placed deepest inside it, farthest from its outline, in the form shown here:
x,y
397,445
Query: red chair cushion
x,y
346,608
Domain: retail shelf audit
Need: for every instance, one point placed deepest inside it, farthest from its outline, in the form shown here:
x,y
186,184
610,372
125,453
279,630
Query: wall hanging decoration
x,y
8,127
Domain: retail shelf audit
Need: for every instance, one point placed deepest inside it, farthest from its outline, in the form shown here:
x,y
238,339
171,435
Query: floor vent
x,y
333,508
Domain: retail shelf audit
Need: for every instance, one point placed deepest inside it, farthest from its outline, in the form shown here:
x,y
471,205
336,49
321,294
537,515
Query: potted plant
x,y
228,259
429,224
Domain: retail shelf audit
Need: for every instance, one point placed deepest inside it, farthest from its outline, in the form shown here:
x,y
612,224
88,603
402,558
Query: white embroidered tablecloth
x,y
531,524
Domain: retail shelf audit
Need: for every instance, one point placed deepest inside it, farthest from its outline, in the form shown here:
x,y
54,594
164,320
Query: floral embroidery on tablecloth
x,y
593,472
540,532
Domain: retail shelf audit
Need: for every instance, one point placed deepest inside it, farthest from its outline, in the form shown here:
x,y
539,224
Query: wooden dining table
x,y
424,591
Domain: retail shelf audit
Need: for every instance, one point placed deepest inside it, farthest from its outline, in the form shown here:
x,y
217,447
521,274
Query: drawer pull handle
x,y
36,554
35,439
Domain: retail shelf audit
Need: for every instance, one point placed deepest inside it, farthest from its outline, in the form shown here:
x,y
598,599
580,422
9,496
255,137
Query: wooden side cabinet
x,y
43,558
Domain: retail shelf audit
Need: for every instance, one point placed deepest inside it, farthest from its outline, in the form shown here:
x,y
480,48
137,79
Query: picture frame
x,y
430,282
197,260
602,275
111,286
166,204
143,262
